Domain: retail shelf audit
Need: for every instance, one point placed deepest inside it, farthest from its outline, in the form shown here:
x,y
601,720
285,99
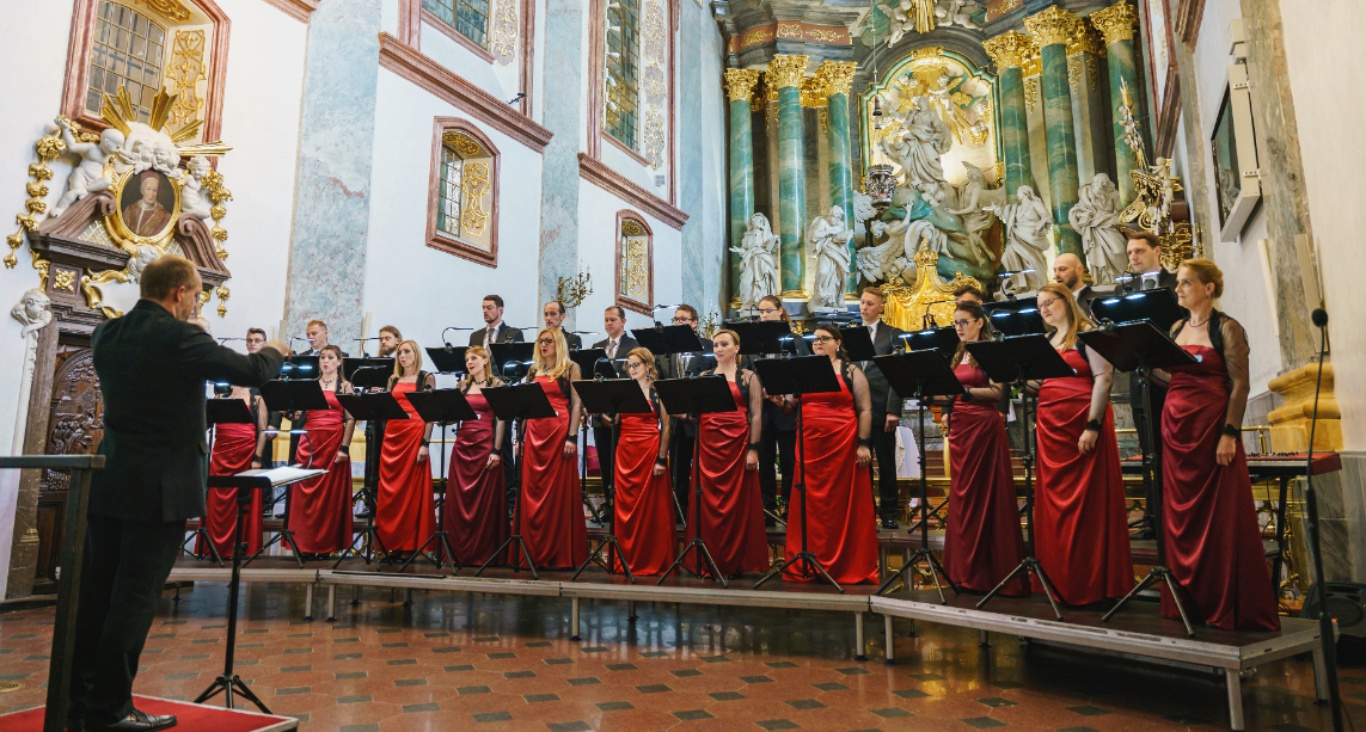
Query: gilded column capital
x,y
740,84
1010,49
1117,22
837,76
1085,39
786,71
1053,26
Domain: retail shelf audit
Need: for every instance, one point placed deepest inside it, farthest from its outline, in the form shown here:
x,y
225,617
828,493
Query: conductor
x,y
152,365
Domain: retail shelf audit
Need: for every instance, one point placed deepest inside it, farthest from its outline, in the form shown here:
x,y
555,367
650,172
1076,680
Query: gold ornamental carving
x,y
1031,92
1117,22
503,33
185,71
64,280
786,71
637,267
740,84
1053,26
837,76
813,92
652,137
909,306
1085,39
170,9
474,184
1010,49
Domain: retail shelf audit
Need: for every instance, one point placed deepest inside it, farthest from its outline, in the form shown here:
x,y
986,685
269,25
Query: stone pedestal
x,y
1290,421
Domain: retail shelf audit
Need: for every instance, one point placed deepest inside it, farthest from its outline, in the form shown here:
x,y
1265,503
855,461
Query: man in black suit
x,y
1145,261
316,330
152,366
886,405
617,344
684,430
1070,272
494,330
554,319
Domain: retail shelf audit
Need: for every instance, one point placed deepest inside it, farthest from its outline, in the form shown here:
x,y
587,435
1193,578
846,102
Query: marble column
x,y
1009,50
740,85
1051,29
786,74
838,78
1117,24
564,52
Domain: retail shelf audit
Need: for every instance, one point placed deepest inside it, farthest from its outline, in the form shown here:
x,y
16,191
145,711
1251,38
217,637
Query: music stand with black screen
x,y
857,343
1140,347
668,340
367,374
610,398
1018,360
512,404
765,336
1156,306
695,397
291,397
943,340
1015,317
216,412
799,377
377,406
351,365
511,360
448,359
443,407
300,367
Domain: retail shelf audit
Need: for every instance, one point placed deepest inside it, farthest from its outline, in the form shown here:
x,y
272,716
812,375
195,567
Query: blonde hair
x,y
417,359
647,358
1076,319
1207,272
488,362
562,366
727,332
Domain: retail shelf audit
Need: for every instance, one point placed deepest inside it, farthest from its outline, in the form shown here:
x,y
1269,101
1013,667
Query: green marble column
x,y
739,89
838,78
1009,51
1051,29
1117,23
785,74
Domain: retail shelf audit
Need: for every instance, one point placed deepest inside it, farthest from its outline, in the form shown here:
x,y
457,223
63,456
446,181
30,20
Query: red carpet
x,y
197,717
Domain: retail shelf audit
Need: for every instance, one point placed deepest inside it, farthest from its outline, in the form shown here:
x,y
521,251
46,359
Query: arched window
x,y
623,70
635,276
469,18
462,216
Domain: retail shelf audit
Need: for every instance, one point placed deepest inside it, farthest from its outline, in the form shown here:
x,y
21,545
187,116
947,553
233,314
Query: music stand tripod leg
x,y
515,541
609,542
932,562
697,542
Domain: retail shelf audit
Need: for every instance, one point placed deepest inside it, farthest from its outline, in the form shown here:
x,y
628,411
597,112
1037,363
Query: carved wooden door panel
x,y
75,427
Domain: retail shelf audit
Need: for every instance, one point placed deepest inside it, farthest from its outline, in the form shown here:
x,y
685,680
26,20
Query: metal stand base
x,y
801,558
701,548
522,551
614,549
931,562
1155,575
1030,566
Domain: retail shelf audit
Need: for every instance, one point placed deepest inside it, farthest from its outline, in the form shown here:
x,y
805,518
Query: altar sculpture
x,y
828,241
758,252
1096,218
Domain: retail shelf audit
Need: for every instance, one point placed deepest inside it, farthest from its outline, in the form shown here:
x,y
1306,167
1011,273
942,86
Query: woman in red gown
x,y
833,452
320,508
550,511
732,505
236,447
983,541
1209,524
1081,531
642,507
476,504
405,514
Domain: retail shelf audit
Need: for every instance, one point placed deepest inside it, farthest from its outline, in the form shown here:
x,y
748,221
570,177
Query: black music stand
x,y
924,374
252,480
943,340
1157,305
1019,359
351,365
511,359
858,343
611,398
517,403
694,397
593,364
289,397
448,359
765,336
668,339
370,407
443,407
367,374
219,411
799,377
1015,317
1140,347
300,367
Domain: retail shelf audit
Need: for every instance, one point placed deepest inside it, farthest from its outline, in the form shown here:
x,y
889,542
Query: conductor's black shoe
x,y
890,524
137,721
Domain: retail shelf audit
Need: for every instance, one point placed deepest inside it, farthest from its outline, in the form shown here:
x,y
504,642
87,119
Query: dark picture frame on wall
x,y
1233,153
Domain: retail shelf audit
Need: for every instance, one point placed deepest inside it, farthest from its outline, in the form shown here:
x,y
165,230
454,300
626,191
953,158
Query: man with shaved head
x,y
1070,272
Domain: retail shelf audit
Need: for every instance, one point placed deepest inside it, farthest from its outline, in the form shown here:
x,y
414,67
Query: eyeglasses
x,y
633,365
964,323
1046,304
545,341
681,320
823,339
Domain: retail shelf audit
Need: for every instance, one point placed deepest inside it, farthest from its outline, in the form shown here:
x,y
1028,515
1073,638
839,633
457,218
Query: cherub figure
x,y
192,200
89,174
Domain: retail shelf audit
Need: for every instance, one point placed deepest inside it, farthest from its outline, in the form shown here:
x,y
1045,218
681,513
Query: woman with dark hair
x,y
728,462
834,447
778,438
405,514
549,514
643,512
983,541
320,508
236,447
1209,523
1081,532
475,499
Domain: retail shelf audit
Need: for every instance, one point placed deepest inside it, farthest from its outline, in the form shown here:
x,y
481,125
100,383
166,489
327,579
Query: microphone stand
x,y
1327,637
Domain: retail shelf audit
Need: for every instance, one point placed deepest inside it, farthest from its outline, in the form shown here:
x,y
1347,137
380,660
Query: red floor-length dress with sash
x,y
1209,523
320,508
842,528
732,505
1081,531
234,446
550,512
983,541
405,514
476,504
643,510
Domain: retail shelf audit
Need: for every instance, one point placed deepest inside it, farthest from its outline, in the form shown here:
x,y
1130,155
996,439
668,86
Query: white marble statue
x,y
1028,225
957,12
974,198
827,239
924,137
146,254
192,200
89,174
1096,218
33,311
758,252
896,257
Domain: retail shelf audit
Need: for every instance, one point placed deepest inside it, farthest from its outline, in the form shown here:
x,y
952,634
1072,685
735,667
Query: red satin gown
x,y
1209,523
476,504
983,541
841,530
234,446
550,512
732,507
405,513
1081,530
643,511
320,509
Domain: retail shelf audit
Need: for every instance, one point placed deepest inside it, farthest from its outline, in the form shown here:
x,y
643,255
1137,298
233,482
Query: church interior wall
x,y
597,255
700,154
497,79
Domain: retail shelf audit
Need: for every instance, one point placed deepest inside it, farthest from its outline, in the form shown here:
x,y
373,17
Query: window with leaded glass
x,y
452,174
623,70
128,50
468,17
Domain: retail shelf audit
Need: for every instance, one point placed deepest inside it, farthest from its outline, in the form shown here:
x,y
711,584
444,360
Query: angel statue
x,y
1096,218
758,252
88,176
1027,224
192,201
917,147
973,199
828,239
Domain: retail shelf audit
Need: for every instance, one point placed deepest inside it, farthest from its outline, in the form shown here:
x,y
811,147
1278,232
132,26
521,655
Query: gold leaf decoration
x,y
185,71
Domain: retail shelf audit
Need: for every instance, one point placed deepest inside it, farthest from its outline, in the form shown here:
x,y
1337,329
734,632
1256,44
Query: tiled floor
x,y
506,663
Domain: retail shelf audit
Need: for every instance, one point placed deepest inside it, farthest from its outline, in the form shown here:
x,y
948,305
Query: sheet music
x,y
283,475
